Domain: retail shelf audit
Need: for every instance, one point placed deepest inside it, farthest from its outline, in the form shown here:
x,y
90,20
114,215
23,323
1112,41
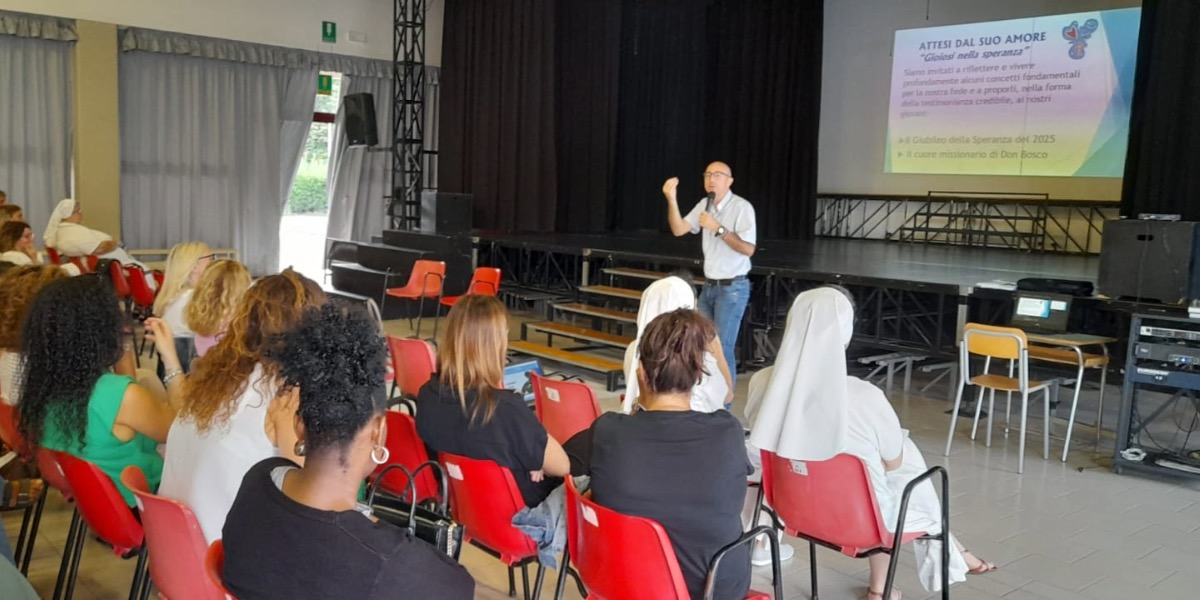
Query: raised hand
x,y
669,187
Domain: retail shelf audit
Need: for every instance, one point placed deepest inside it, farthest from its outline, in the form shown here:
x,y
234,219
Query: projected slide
x,y
1043,96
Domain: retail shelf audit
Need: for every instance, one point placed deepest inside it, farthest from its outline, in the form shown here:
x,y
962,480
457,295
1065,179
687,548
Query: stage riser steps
x,y
457,244
612,292
612,370
357,279
597,312
576,333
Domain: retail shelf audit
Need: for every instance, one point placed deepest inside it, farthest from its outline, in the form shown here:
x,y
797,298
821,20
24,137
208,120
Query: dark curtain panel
x,y
1161,174
497,119
764,107
588,61
661,123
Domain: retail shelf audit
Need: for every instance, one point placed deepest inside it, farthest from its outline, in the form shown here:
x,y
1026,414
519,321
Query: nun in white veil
x,y
806,407
712,392
66,233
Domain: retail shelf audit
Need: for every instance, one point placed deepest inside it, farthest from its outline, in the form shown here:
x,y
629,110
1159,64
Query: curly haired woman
x,y
235,415
217,295
18,287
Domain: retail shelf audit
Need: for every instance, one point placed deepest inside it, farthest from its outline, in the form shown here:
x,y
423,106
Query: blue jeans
x,y
724,305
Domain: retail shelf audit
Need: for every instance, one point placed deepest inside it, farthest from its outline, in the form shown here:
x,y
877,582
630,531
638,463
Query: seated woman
x,y
11,212
299,532
16,244
235,416
217,294
185,264
71,400
807,408
683,468
66,233
18,287
714,391
464,412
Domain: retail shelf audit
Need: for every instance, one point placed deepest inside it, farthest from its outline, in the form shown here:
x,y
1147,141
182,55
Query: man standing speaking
x,y
728,233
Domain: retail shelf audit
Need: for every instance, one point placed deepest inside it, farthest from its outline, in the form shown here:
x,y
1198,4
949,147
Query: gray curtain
x,y
360,179
36,62
209,148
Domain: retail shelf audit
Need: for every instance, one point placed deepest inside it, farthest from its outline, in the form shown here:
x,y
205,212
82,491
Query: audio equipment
x,y
1151,261
359,115
446,214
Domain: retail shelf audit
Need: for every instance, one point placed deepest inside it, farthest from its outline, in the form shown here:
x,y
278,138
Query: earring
x,y
299,449
381,460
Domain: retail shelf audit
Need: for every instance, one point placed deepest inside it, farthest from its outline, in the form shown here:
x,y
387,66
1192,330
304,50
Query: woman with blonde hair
x,y
18,287
464,411
215,297
235,415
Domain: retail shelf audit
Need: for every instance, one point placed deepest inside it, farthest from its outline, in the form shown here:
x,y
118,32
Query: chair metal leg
x,y
991,412
1024,421
512,583
537,586
1046,429
27,557
1074,405
139,577
978,407
420,313
962,383
525,580
812,567
64,567
1100,405
561,585
76,553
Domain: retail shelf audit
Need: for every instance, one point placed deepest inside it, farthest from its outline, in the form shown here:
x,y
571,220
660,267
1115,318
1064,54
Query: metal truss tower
x,y
408,113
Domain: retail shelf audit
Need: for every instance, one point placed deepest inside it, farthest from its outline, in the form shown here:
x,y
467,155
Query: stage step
x,y
584,334
588,310
364,281
614,292
643,274
445,244
613,370
384,257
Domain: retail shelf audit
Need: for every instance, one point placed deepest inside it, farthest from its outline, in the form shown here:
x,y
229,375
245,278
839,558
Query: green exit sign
x,y
325,85
329,32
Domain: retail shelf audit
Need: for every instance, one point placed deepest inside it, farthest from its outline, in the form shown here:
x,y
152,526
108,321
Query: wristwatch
x,y
721,231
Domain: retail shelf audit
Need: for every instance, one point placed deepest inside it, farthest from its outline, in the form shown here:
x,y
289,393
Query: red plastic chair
x,y
53,475
831,503
54,256
214,565
79,264
174,539
485,280
10,434
564,407
405,448
483,498
139,290
120,283
424,282
159,278
413,365
621,556
104,512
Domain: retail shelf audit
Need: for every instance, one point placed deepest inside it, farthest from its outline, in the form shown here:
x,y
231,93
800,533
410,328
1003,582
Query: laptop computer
x,y
516,378
1041,313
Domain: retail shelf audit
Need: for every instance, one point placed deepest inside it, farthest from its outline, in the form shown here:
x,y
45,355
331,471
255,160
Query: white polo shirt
x,y
736,214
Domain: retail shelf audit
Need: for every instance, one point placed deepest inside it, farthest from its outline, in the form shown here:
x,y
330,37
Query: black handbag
x,y
431,524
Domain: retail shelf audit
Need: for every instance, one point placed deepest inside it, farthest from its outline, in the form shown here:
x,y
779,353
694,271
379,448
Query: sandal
x,y
873,595
21,492
981,568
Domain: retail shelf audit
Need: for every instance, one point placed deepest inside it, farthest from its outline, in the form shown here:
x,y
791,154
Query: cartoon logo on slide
x,y
1078,36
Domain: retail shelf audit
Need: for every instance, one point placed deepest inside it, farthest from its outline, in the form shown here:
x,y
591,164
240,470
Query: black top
x,y
513,437
276,547
687,471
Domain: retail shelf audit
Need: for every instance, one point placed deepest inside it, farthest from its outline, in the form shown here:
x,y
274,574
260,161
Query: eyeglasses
x,y
715,175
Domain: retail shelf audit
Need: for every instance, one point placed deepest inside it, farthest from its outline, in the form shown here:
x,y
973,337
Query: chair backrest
x,y
413,362
78,262
427,276
564,407
483,498
406,449
53,255
175,542
10,433
120,283
214,565
52,472
485,280
101,505
159,278
829,500
91,261
619,556
1005,343
139,290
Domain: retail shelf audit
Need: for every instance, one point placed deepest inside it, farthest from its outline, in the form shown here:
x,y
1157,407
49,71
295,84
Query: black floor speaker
x,y
445,213
1151,260
361,129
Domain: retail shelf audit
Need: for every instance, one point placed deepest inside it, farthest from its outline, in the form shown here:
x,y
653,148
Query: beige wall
x,y
97,132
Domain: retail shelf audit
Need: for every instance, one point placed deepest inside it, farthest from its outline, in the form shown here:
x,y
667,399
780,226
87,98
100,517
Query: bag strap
x,y
412,508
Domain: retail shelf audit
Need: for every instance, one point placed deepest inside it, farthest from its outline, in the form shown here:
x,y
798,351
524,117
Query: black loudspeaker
x,y
445,214
361,129
1151,260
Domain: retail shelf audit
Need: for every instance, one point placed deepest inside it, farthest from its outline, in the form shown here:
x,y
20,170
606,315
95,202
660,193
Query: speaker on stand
x,y
359,114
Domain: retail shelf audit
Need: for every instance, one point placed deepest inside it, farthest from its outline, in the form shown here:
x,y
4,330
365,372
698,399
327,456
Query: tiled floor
x,y
1058,532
